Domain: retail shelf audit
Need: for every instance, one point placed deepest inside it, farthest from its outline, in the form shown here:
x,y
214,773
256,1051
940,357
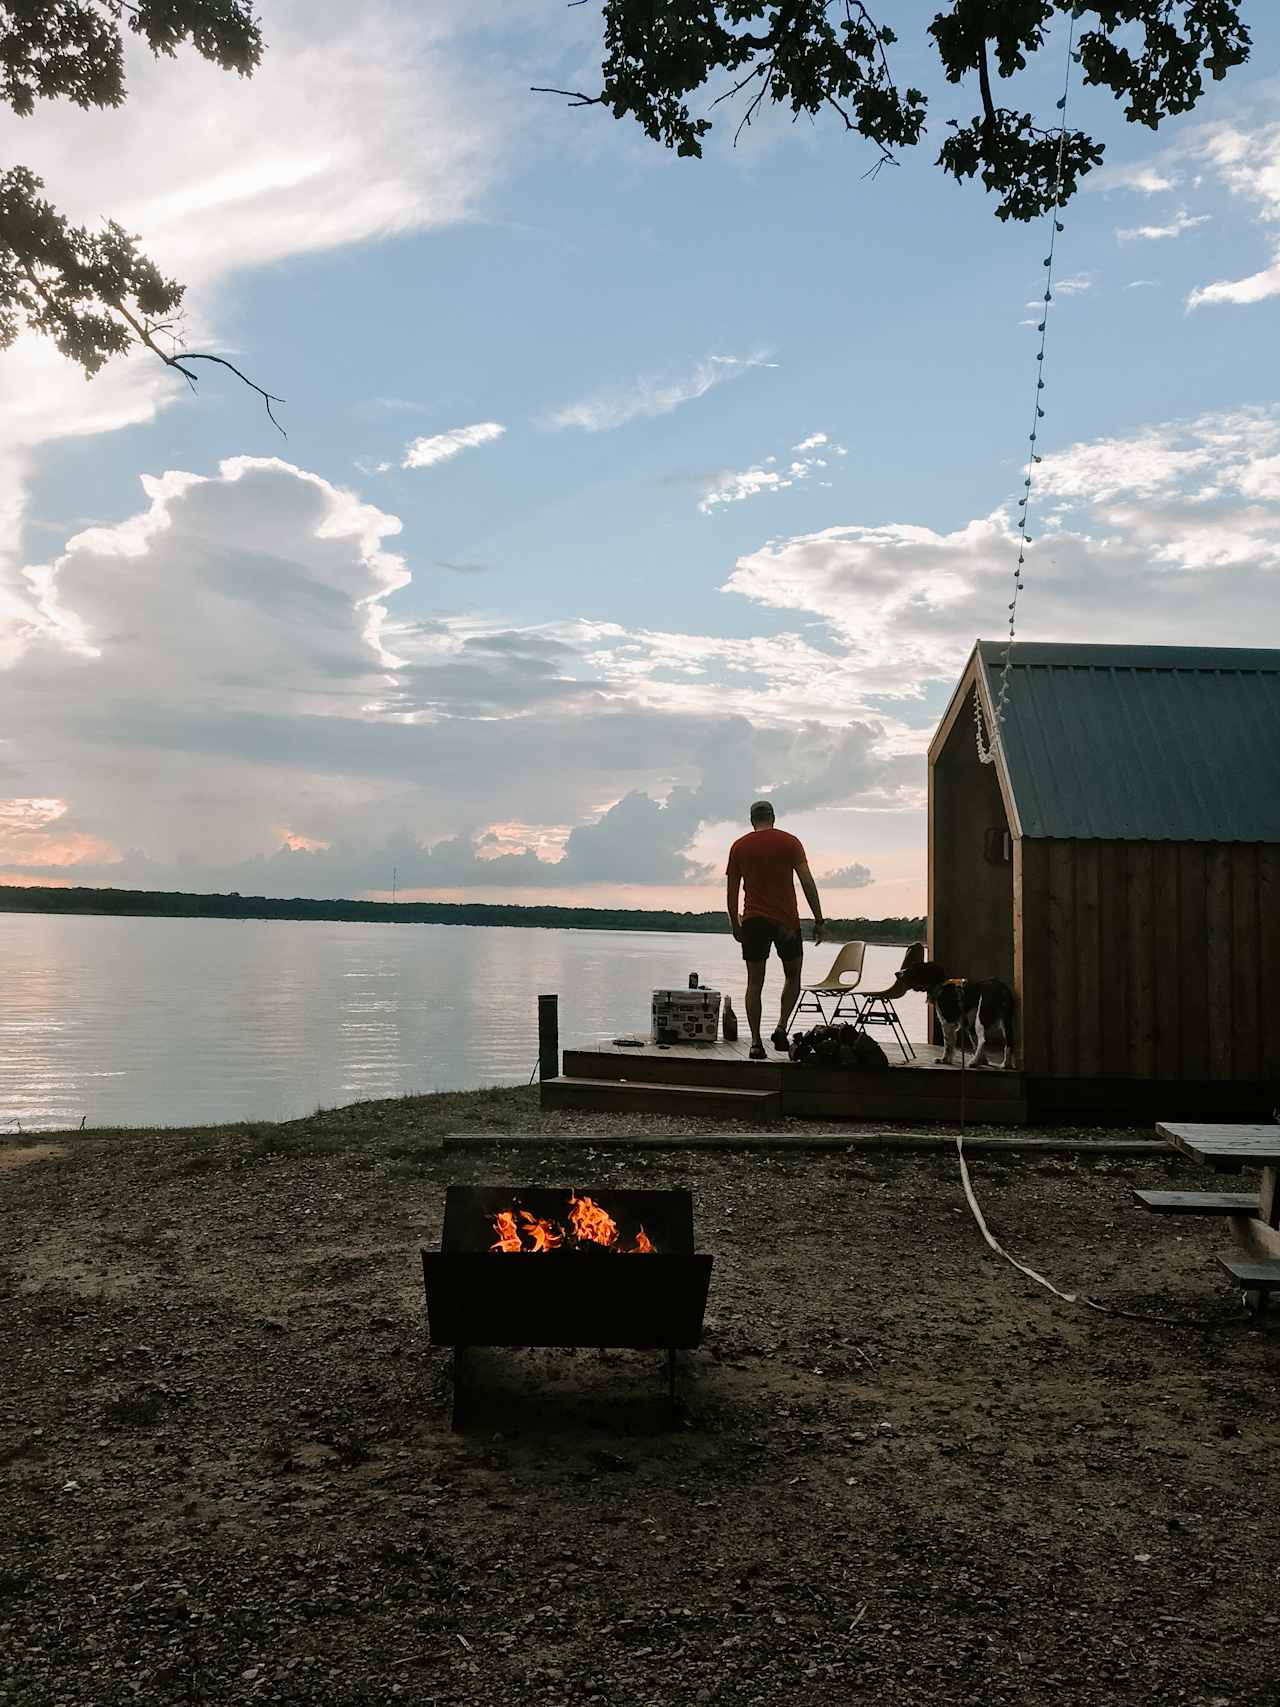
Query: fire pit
x,y
553,1266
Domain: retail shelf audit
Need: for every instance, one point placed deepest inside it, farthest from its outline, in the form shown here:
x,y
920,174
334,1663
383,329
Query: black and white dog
x,y
965,1007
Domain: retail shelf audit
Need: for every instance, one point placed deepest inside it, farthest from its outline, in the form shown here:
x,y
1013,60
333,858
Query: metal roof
x,y
1142,743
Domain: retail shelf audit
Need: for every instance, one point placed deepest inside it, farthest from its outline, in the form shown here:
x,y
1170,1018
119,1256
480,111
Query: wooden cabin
x,y
1119,865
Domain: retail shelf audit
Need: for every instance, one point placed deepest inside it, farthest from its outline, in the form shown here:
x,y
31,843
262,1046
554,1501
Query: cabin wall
x,y
1148,959
970,900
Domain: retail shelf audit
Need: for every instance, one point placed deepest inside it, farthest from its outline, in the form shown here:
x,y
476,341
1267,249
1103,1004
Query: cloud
x,y
848,877
1174,531
1257,287
354,128
1143,284
1146,178
652,395
1075,285
1246,162
218,692
349,130
1182,221
734,487
390,405
442,447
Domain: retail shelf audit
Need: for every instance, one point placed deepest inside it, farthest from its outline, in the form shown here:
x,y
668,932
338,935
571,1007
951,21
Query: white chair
x,y
847,964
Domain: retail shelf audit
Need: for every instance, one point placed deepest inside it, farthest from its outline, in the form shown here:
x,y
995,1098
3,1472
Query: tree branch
x,y
984,82
146,336
575,97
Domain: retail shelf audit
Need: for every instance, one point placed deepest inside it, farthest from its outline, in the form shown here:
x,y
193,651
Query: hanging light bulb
x,y
988,740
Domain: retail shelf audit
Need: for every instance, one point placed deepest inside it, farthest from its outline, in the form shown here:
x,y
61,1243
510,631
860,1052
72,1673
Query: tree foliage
x,y
93,292
817,56
178,904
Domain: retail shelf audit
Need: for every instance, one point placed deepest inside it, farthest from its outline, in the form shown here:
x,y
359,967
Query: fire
x,y
543,1234
590,1222
588,1227
504,1225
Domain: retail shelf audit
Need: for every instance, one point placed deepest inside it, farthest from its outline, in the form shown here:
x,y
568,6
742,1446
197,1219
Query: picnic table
x,y
1255,1222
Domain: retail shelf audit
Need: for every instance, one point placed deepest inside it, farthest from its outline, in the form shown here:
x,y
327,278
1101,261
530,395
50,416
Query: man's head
x,y
762,815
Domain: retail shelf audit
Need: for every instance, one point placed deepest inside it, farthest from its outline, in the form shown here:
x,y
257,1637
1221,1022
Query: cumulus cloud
x,y
442,447
221,692
652,395
218,693
848,877
1139,530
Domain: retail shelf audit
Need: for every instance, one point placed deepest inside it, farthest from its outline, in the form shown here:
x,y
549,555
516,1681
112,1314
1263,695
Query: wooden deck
x,y
717,1079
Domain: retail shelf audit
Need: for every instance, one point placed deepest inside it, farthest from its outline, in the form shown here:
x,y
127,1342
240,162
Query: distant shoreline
x,y
171,904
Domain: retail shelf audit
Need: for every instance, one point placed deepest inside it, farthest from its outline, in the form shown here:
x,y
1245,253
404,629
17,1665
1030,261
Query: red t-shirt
x,y
765,861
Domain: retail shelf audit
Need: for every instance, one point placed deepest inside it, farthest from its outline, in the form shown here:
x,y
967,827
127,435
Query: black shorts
x,y
759,934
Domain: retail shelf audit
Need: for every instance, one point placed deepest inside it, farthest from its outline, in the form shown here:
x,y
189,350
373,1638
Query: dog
x,y
965,1007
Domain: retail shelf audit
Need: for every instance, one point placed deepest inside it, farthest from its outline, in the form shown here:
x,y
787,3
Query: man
x,y
764,862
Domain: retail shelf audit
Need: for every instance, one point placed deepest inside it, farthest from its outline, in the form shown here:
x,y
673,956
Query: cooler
x,y
686,1016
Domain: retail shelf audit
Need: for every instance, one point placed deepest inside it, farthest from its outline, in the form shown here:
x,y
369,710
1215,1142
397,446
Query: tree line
x,y
176,904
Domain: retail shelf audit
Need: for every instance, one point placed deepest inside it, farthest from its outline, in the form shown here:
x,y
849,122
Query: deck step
x,y
631,1096
1198,1202
1255,1274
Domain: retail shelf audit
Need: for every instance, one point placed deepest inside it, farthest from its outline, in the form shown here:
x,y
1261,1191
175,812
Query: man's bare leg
x,y
791,971
755,990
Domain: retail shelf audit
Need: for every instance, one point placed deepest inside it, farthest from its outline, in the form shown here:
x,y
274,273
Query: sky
x,y
618,490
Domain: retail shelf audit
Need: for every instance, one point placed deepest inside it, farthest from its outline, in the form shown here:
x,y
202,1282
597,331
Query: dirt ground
x,y
903,1473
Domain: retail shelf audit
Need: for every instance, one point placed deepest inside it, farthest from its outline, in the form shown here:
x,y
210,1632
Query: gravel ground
x,y
903,1473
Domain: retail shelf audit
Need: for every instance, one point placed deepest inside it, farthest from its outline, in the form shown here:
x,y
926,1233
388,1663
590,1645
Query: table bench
x,y
1255,1224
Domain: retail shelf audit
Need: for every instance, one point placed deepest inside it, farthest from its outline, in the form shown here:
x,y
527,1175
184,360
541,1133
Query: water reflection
x,y
177,1021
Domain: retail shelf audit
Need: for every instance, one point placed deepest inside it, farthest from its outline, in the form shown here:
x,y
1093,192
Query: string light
x,y
988,743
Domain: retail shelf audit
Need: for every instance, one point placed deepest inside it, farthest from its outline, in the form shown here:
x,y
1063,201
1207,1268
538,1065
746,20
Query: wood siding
x,y
970,901
1147,959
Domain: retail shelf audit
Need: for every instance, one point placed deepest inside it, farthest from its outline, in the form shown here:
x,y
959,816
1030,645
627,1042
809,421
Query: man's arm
x,y
811,896
733,883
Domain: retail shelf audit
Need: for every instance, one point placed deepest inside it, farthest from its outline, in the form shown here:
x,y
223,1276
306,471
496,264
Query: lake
x,y
125,1021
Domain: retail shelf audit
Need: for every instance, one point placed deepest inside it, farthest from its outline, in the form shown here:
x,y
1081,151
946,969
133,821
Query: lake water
x,y
122,1021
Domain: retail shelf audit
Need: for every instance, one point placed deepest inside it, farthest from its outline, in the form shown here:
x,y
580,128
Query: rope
x,y
1040,1280
988,742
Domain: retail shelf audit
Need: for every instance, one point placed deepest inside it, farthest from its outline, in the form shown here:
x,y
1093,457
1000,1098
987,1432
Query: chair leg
x,y
817,1008
904,1042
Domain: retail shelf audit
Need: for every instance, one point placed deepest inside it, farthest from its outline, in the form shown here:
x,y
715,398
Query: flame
x,y
588,1225
543,1234
590,1222
504,1225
